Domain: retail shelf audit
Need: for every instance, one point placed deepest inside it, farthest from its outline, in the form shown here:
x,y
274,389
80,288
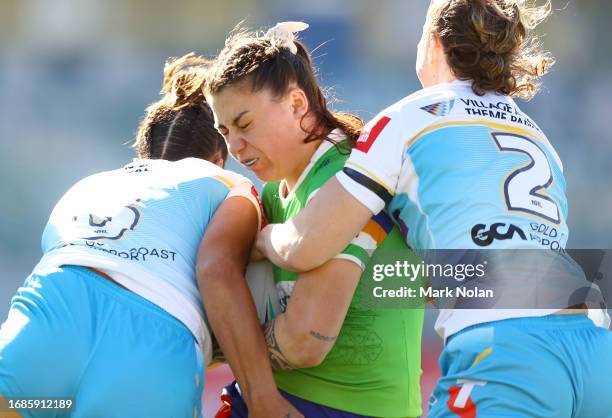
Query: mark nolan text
x,y
430,293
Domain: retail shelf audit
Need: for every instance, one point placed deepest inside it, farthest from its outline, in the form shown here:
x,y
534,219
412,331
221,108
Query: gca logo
x,y
483,237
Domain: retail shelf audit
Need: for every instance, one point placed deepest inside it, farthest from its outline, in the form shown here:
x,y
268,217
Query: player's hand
x,y
278,407
260,241
263,243
256,255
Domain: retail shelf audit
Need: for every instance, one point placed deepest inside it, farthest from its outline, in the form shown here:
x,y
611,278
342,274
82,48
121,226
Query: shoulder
x,y
195,168
331,159
423,106
410,115
97,181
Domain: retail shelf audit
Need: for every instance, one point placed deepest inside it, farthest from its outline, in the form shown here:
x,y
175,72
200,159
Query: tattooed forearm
x,y
277,358
326,338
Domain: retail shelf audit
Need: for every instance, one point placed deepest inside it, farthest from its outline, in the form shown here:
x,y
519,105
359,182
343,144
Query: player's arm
x,y
305,333
343,205
222,258
321,230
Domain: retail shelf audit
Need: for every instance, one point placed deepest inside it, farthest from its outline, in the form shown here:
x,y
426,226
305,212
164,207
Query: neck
x,y
289,183
441,77
446,77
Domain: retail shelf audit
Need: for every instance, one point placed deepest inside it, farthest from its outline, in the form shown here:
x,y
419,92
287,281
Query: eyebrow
x,y
236,119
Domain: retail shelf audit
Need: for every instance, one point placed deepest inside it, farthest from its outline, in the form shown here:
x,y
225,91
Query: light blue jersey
x,y
460,171
465,172
503,188
457,170
135,352
142,225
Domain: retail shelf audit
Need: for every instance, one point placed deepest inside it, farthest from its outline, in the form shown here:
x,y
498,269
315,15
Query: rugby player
x,y
111,319
331,357
457,154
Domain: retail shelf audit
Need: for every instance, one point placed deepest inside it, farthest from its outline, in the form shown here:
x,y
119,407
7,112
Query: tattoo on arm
x,y
277,358
325,338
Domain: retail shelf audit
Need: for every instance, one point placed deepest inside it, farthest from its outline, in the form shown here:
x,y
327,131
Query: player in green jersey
x,y
332,356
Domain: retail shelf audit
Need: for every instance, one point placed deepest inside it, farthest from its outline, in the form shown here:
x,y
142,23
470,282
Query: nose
x,y
235,143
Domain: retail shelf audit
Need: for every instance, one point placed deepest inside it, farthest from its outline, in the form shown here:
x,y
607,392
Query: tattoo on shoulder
x,y
277,357
321,337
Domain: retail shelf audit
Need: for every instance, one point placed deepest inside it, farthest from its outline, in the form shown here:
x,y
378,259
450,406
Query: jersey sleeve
x,y
361,248
372,171
240,186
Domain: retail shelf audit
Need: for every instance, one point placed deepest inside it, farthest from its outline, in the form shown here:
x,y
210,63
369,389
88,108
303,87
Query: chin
x,y
265,175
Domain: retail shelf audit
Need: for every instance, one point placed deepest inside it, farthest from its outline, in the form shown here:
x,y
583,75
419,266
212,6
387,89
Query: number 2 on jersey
x,y
523,186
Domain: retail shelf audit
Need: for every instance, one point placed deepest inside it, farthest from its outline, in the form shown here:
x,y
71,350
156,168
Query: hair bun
x,y
184,80
493,64
491,43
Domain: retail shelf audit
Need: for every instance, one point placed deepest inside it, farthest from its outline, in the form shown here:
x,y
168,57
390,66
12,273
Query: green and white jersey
x,y
375,365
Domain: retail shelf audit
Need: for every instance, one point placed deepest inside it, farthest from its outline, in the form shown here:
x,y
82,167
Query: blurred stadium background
x,y
76,75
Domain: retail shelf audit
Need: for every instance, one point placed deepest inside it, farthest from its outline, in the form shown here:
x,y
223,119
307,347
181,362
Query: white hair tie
x,y
283,34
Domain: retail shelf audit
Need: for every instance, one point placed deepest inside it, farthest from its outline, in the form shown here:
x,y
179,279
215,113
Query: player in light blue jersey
x,y
460,167
111,322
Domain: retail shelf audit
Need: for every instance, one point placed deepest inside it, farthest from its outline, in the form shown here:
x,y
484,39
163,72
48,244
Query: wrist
x,y
260,395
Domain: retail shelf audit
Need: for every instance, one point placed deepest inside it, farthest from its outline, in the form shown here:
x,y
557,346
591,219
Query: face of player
x,y
262,131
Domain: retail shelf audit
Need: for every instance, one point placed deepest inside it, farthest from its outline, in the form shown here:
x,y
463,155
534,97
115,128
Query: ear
x,y
298,102
436,51
217,159
431,49
220,162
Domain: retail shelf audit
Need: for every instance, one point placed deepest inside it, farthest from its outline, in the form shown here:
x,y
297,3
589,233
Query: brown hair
x,y
491,43
181,123
252,57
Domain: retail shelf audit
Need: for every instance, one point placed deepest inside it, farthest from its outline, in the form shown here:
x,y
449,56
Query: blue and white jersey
x,y
142,225
460,171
